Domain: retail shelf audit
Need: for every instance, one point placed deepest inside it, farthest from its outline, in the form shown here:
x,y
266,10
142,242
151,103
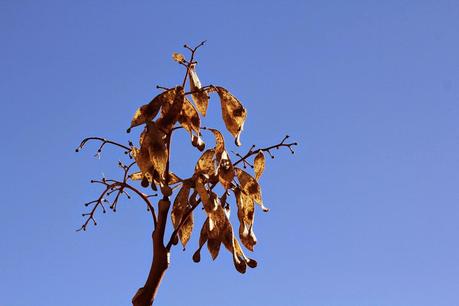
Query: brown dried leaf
x,y
245,214
219,143
202,241
199,96
178,57
136,176
149,111
155,142
170,112
208,198
194,79
205,164
219,231
142,158
259,164
179,209
213,245
225,171
189,118
250,186
234,114
201,99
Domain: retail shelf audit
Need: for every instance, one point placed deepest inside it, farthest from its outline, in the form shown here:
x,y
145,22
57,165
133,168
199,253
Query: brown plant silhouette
x,y
166,113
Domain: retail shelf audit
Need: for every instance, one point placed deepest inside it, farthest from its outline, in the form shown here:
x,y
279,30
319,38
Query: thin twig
x,y
112,186
103,142
191,62
252,150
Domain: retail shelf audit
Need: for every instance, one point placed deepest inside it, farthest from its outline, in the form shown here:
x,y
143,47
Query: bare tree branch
x,y
103,143
118,187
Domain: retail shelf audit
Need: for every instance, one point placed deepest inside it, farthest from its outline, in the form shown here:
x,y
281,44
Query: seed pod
x,y
144,182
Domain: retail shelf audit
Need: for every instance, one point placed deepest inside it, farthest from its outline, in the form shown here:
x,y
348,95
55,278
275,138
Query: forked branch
x,y
112,187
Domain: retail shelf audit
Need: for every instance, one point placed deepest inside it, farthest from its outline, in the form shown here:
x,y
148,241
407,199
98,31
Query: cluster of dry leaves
x,y
172,109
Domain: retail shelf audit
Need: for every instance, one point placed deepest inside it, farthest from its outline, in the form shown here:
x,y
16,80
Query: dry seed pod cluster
x,y
165,112
183,107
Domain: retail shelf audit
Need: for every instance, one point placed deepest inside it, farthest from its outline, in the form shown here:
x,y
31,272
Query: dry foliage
x,y
168,111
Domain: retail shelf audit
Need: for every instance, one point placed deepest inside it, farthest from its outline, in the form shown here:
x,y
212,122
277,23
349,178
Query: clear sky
x,y
365,213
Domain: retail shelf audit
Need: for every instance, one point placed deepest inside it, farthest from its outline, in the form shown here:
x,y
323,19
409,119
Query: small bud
x,y
252,263
194,140
265,209
240,266
175,240
197,256
144,182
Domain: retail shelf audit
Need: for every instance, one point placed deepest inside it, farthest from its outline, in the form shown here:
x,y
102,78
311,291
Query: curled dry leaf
x,y
155,142
259,164
179,209
234,114
202,240
199,95
225,171
208,198
170,112
142,158
189,118
219,143
194,79
245,214
149,111
250,187
205,164
220,231
213,245
178,57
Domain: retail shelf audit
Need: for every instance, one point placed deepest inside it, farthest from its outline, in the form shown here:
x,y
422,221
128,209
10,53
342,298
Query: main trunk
x,y
145,296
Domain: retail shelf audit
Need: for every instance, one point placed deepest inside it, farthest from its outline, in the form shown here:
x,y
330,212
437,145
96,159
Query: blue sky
x,y
366,213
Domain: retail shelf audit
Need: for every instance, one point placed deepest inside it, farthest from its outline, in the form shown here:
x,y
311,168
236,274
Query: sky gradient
x,y
366,213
